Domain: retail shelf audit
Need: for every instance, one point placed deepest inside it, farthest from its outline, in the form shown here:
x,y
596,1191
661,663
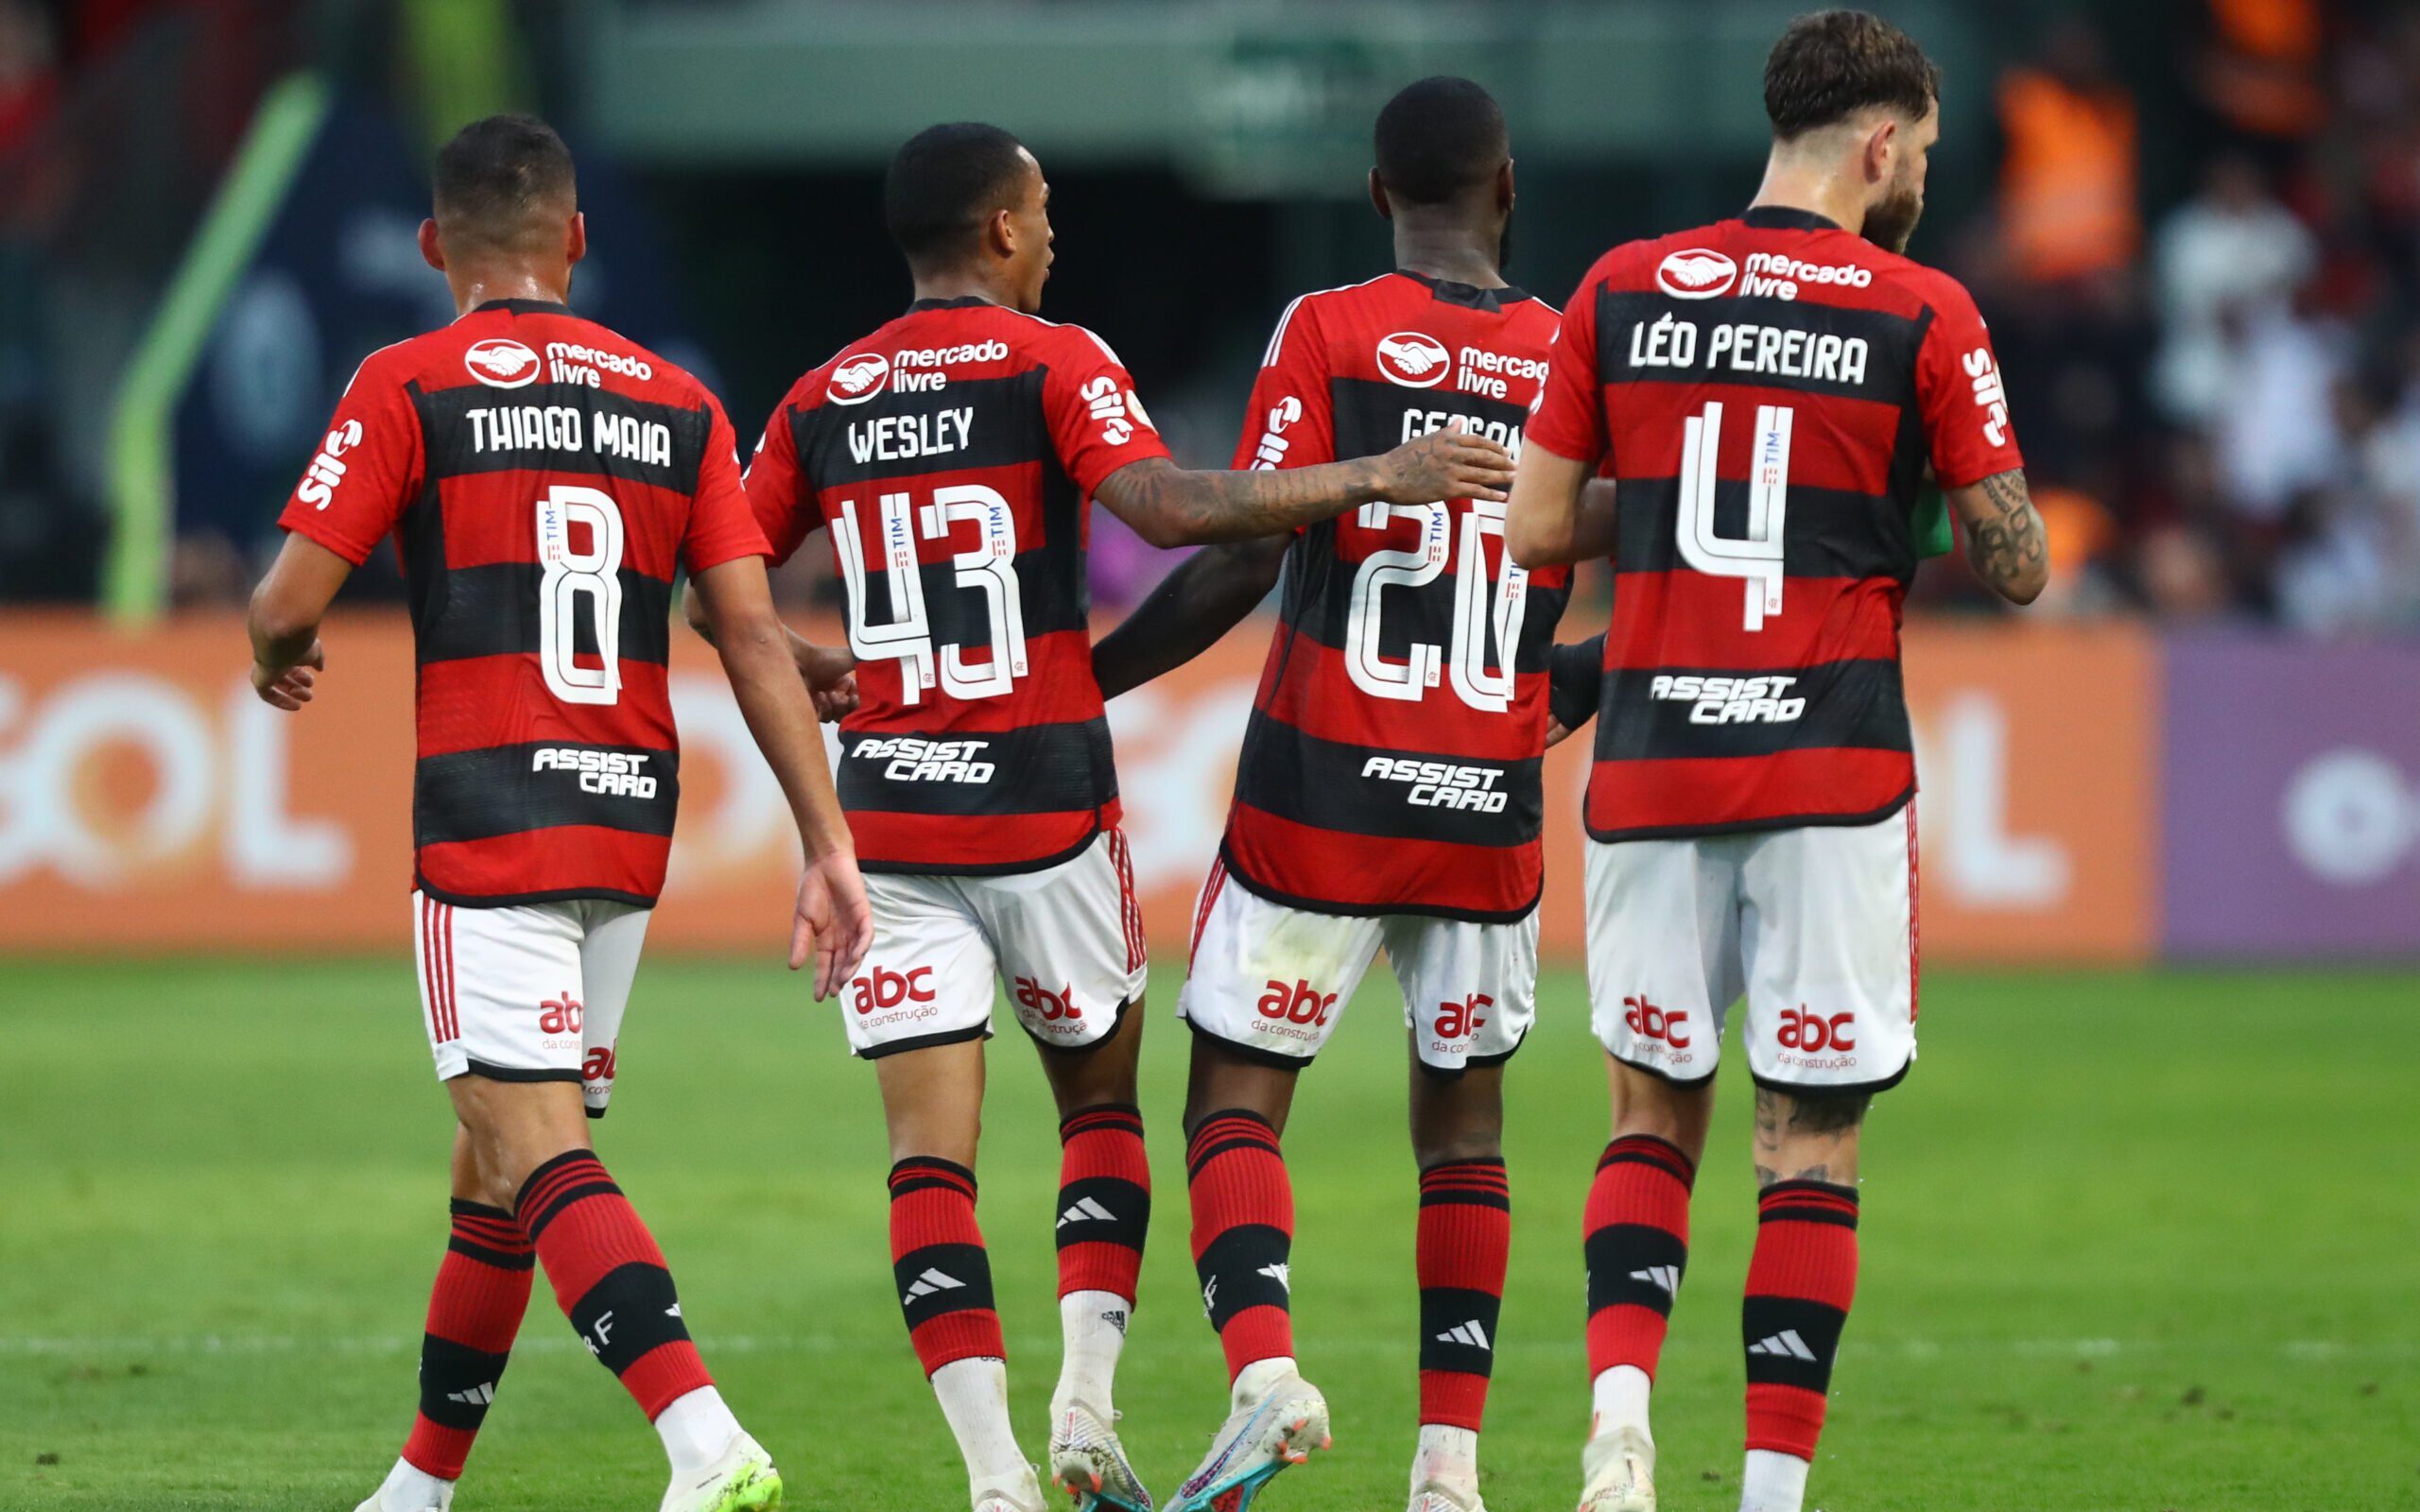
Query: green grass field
x,y
2129,1242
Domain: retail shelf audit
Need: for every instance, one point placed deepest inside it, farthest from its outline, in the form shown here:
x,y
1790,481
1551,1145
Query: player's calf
x,y
1802,1278
1104,1208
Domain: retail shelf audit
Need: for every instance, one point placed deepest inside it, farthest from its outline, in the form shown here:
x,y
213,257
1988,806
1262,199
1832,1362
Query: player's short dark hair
x,y
502,180
1438,137
944,183
1832,64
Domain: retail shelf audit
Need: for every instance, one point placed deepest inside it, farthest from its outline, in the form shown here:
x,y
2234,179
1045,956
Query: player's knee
x,y
1452,1146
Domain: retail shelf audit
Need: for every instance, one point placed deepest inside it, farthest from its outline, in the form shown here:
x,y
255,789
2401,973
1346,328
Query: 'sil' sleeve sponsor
x,y
1569,420
1959,393
722,527
367,469
785,508
1290,421
1097,422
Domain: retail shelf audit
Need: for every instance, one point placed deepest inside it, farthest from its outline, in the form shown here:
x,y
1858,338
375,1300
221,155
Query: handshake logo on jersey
x,y
605,773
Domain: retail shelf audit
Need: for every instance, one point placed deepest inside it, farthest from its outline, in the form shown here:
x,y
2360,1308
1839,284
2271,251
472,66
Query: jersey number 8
x,y
572,574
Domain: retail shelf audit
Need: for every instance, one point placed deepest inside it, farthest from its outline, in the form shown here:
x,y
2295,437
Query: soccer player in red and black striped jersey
x,y
1388,793
1768,394
543,480
953,455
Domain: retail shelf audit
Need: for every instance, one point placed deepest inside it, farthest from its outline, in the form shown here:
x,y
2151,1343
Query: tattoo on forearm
x,y
2007,546
1213,507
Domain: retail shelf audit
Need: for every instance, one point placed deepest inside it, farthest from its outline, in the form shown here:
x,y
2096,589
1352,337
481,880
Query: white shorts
x,y
1065,942
533,992
1270,980
1815,926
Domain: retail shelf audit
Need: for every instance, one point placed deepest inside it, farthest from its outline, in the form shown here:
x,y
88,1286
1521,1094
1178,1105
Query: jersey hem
x,y
983,868
1785,822
522,900
1334,910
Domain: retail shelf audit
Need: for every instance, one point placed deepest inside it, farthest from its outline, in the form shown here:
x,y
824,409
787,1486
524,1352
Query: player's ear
x,y
1882,146
1504,187
576,238
1378,198
1000,233
432,250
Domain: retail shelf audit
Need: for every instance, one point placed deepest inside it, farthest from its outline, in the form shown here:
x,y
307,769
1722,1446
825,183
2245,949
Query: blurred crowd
x,y
2220,402
2201,259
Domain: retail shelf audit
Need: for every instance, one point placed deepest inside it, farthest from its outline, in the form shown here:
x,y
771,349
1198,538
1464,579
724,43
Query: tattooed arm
x,y
1169,506
2004,542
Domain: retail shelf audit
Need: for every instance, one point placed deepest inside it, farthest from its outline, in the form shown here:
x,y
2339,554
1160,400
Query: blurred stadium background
x,y
2194,226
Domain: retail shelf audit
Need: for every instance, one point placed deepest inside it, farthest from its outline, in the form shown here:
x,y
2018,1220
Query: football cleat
x,y
1089,1464
1026,1496
1256,1441
1619,1465
1436,1495
377,1504
742,1479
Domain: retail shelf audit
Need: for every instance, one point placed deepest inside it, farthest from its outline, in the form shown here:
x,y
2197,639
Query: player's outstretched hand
x,y
290,689
1449,464
838,701
834,924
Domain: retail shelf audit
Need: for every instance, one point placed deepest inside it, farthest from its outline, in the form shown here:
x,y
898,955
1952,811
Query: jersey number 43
x,y
988,566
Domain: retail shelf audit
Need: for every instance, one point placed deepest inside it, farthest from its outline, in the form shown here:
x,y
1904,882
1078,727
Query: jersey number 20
x,y
1476,609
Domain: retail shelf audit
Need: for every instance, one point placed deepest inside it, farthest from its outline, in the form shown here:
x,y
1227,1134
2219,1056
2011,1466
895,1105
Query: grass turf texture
x,y
2129,1242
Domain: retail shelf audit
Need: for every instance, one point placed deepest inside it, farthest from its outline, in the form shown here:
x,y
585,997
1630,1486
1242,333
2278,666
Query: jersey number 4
x,y
988,566
1476,609
1756,554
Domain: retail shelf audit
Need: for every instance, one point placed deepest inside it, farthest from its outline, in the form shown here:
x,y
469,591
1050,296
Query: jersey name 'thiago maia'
x,y
953,455
1767,393
1392,760
544,478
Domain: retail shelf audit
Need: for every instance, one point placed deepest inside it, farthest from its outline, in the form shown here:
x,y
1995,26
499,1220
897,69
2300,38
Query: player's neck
x,y
476,285
1795,186
962,283
1451,253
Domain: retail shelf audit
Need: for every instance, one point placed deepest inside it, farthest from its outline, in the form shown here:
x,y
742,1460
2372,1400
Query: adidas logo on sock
x,y
1668,1277
1470,1333
1281,1273
674,1311
1087,1210
1786,1344
479,1396
929,1283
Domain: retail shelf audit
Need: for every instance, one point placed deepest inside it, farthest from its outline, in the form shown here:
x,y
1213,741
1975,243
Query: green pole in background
x,y
141,477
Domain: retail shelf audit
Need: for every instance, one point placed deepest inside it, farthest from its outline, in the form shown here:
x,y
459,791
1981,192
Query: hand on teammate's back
x,y
1450,464
834,922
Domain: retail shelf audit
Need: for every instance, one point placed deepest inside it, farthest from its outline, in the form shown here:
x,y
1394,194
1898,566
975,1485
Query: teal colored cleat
x,y
1255,1442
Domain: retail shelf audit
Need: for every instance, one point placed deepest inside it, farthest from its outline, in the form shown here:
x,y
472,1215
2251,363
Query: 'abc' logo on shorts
x,y
1649,1021
884,988
1802,1030
560,1015
1296,1003
1054,1006
1455,1020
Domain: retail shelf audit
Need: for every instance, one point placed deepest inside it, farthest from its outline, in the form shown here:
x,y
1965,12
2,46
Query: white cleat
x,y
1437,1496
742,1479
1089,1464
1256,1441
378,1504
1026,1496
1619,1465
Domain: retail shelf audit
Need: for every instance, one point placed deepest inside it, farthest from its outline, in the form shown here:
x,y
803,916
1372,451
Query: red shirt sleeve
x,y
367,468
1959,391
778,495
722,525
1097,422
1290,420
1569,420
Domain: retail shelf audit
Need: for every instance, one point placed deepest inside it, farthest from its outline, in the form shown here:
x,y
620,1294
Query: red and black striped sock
x,y
611,1279
1243,1234
474,1312
937,1260
1637,1248
1800,1279
1104,1200
1465,1238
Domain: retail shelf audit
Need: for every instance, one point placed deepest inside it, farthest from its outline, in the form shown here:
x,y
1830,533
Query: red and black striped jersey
x,y
544,480
1392,760
953,455
1767,393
